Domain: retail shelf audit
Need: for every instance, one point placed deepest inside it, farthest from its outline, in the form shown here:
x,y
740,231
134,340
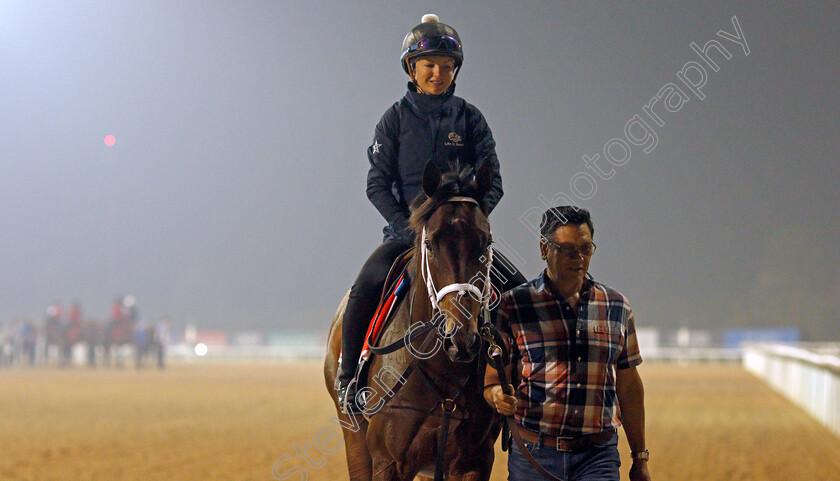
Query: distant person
x,y
53,333
29,340
161,341
74,323
574,340
117,311
141,342
72,332
428,124
129,308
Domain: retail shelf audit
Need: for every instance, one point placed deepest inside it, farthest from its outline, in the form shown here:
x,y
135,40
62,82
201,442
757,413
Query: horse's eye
x,y
429,246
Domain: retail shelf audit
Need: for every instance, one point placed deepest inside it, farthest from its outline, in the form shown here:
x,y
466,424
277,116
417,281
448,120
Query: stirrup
x,y
347,399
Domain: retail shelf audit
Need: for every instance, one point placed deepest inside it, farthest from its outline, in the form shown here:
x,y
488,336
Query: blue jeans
x,y
598,463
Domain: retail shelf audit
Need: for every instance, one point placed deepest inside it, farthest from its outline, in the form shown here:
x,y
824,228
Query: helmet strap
x,y
413,75
457,71
416,85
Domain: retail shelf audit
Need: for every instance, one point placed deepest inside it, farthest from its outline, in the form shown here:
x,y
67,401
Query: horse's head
x,y
453,244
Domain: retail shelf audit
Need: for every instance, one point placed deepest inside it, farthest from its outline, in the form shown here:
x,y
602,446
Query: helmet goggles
x,y
443,44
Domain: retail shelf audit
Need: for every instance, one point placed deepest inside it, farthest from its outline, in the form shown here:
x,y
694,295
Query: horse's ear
x,y
484,179
431,179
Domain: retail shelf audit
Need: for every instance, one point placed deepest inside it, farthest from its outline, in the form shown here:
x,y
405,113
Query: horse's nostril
x,y
472,342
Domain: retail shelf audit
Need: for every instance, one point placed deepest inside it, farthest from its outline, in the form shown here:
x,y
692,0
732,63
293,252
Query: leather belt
x,y
579,443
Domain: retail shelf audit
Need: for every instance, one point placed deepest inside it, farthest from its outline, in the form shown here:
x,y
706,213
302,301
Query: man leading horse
x,y
574,342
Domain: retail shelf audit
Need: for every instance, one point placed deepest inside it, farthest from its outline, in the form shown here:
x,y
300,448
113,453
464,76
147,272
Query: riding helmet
x,y
431,37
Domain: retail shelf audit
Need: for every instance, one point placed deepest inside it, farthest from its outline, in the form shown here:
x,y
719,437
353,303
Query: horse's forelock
x,y
458,219
452,184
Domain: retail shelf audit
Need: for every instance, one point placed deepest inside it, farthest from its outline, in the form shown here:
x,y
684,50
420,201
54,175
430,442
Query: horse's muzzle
x,y
463,352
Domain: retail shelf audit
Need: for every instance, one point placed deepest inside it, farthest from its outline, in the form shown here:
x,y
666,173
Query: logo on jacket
x,y
454,140
376,146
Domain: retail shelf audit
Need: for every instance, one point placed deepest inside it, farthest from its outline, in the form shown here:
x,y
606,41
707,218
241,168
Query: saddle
x,y
397,284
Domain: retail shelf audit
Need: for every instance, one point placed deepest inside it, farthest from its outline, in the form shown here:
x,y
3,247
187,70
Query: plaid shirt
x,y
567,385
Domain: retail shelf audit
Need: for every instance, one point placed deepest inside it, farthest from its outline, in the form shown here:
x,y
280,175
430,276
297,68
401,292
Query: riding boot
x,y
357,315
361,306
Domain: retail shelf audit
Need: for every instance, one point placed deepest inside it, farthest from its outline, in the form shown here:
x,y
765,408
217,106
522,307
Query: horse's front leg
x,y
385,469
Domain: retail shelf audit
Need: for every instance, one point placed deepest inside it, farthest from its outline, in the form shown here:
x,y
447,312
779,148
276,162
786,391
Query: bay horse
x,y
118,335
432,417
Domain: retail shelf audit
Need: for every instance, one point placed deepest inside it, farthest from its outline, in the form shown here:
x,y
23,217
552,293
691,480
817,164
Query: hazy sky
x,y
235,193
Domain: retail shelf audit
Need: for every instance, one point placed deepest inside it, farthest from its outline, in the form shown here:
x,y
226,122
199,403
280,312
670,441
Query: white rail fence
x,y
192,353
807,374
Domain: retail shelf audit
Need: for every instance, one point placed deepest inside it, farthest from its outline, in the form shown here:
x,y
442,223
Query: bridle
x,y
435,295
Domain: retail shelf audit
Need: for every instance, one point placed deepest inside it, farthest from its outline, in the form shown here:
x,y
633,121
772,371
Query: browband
x,y
462,199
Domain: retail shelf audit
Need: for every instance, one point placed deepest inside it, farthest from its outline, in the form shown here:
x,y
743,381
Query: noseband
x,y
435,295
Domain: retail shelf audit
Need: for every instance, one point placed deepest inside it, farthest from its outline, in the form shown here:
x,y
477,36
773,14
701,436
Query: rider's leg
x,y
364,297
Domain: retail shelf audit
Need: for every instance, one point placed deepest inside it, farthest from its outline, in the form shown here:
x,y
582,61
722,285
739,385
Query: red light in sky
x,y
110,140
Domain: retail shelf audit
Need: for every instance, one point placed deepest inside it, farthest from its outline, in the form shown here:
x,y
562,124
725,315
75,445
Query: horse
x,y
119,332
118,335
432,418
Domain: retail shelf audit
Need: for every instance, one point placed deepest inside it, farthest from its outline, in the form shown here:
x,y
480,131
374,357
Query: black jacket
x,y
416,129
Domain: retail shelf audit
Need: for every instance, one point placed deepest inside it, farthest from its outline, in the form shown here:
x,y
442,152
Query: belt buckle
x,y
560,439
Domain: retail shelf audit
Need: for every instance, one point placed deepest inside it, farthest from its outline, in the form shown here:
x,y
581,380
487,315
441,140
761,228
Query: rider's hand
x,y
501,402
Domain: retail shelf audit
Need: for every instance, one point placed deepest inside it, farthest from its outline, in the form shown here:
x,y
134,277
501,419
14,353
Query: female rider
x,y
428,123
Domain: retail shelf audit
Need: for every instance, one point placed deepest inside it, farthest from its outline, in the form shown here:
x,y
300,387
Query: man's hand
x,y
498,400
639,471
631,398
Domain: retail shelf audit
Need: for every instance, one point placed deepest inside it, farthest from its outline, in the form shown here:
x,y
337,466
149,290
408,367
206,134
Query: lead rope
x,y
496,357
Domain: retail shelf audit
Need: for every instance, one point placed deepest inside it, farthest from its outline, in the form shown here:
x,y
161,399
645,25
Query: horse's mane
x,y
452,184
